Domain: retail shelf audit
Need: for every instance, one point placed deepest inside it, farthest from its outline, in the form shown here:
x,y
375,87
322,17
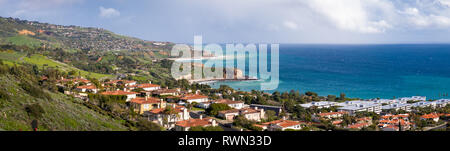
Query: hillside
x,y
35,34
93,52
22,101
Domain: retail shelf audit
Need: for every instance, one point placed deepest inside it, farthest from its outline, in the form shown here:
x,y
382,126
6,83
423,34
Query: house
x,y
283,125
74,81
358,125
190,98
87,88
185,125
329,115
391,122
230,103
263,127
364,120
125,83
166,92
397,106
130,95
432,116
146,87
168,120
254,114
143,104
276,109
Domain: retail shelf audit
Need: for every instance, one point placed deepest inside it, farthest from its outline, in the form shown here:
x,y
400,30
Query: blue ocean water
x,y
362,71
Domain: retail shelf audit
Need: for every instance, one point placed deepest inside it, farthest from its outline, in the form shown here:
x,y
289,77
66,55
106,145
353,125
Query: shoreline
x,y
208,81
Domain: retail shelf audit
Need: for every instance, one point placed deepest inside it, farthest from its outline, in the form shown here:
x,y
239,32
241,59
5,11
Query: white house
x,y
195,98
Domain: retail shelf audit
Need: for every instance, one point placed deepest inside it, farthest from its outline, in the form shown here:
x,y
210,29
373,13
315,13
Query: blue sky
x,y
250,21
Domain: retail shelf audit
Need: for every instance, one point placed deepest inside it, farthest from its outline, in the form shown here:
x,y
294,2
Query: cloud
x,y
290,25
108,12
421,20
351,15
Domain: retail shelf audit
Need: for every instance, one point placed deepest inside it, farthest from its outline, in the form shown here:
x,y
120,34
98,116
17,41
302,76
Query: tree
x,y
342,97
331,98
214,109
271,115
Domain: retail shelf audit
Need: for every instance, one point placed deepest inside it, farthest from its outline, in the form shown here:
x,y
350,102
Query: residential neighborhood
x,y
178,109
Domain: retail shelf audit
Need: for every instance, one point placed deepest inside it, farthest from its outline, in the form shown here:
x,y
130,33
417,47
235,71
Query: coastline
x,y
208,81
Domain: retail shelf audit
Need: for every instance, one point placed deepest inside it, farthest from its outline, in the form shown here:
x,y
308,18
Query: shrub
x,y
144,125
34,110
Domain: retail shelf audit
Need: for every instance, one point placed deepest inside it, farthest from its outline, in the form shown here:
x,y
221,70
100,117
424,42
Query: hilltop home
x,y
187,124
230,103
167,120
431,117
249,113
195,98
391,122
276,109
130,95
146,87
126,83
87,88
166,92
329,115
143,104
284,125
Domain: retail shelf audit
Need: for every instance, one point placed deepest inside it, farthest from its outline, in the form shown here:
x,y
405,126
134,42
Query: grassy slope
x,y
15,57
61,113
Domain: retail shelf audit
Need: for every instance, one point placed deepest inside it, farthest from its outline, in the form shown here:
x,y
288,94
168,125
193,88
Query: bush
x,y
144,125
34,90
4,95
34,110
214,109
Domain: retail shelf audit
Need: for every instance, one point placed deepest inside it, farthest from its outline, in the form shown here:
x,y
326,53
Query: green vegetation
x,y
214,108
23,99
207,128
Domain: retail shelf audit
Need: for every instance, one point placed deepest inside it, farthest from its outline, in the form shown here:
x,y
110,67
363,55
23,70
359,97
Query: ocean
x,y
362,71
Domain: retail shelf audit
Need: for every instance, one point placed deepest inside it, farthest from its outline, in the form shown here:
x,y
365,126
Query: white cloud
x,y
352,15
290,25
445,2
108,12
422,20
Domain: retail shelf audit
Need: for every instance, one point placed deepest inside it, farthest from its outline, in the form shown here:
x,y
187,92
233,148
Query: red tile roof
x,y
226,101
149,100
358,125
283,123
431,116
193,97
177,108
119,92
194,122
87,87
331,113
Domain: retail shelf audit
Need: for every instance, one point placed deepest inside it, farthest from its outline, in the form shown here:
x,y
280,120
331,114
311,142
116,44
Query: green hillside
x,y
22,101
12,57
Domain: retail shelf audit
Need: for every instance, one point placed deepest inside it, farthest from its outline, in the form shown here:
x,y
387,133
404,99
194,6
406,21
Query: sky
x,y
250,21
